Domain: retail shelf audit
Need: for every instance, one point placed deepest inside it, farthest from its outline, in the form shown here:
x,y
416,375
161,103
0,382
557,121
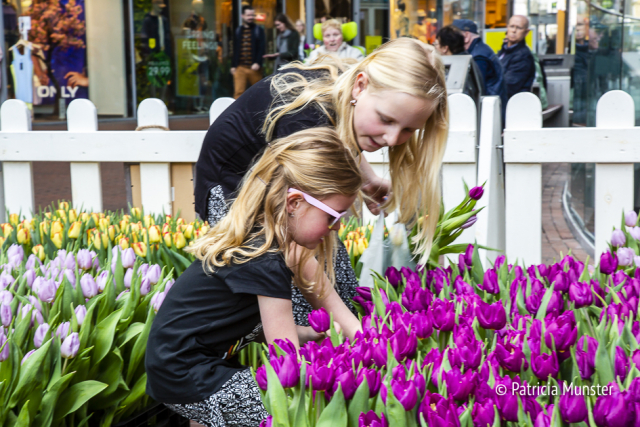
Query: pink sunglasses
x,y
318,204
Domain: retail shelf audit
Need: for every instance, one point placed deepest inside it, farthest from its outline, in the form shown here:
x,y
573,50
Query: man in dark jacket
x,y
485,59
516,58
248,48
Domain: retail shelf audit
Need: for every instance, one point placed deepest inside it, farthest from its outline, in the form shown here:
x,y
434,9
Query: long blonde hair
x,y
403,65
314,161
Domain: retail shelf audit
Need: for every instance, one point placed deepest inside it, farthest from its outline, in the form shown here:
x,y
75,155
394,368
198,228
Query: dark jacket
x,y
287,45
518,67
490,68
258,42
151,30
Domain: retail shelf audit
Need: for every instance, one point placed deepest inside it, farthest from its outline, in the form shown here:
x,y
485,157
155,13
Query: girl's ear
x,y
360,85
293,202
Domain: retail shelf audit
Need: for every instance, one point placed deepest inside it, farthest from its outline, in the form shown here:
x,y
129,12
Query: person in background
x,y
486,60
287,42
301,48
449,41
516,58
248,48
333,43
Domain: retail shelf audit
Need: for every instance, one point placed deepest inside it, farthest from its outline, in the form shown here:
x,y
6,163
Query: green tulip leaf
x,y
276,399
76,396
23,417
110,373
133,399
140,347
102,336
335,414
30,375
50,400
133,331
395,411
359,403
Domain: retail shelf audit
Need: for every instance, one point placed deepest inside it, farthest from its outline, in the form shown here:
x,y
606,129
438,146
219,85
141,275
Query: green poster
x,y
159,69
188,62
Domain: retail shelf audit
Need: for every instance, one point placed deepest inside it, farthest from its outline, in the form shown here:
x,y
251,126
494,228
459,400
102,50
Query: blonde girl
x,y
239,288
396,98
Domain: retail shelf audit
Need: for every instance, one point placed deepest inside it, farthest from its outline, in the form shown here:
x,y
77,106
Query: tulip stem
x,y
64,366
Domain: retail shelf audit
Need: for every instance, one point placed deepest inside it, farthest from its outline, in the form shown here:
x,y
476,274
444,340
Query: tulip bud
x,y
157,299
168,285
469,222
188,232
14,219
70,346
608,263
38,250
111,233
148,221
57,240
153,274
73,216
476,193
167,239
145,286
179,240
40,335
319,320
83,258
26,356
127,278
97,240
101,280
123,242
630,218
6,315
154,234
625,256
56,227
89,286
128,258
23,236
140,249
74,230
63,330
135,212
47,291
618,238
64,206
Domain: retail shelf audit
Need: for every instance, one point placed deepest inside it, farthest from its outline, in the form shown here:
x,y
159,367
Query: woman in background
x,y
287,42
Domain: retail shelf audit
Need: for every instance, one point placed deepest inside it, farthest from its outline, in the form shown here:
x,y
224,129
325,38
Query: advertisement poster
x,y
58,40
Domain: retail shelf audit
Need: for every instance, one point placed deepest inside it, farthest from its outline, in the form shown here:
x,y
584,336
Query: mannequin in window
x,y
157,49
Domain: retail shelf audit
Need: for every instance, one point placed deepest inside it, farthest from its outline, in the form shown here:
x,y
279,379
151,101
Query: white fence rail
x,y
613,145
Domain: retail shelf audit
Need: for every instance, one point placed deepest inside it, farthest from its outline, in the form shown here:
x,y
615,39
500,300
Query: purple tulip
x,y
507,402
371,419
6,315
153,274
168,285
490,282
511,357
30,276
635,233
630,218
81,313
70,346
63,330
261,377
127,278
405,392
321,377
613,410
573,408
6,280
393,276
31,262
157,300
4,346
374,380
468,351
618,238
47,291
40,335
403,344
319,320
267,422
562,332
365,292
84,259
483,414
89,286
544,365
128,258
476,193
15,254
491,316
422,324
544,420
438,411
443,315
288,370
347,382
6,297
621,363
625,256
469,222
608,263
580,294
26,356
586,356
101,280
145,286
460,386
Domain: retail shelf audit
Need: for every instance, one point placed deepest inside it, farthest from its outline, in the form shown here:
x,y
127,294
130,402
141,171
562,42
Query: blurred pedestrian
x,y
248,48
486,60
334,43
287,42
303,39
516,58
449,41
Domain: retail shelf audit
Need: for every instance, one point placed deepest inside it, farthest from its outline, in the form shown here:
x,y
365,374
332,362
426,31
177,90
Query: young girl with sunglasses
x,y
239,287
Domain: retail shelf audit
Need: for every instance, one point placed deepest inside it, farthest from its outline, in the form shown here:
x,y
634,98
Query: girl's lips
x,y
375,145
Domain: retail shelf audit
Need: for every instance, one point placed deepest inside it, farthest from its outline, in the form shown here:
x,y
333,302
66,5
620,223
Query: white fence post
x,y
17,177
614,181
86,182
155,178
218,106
490,228
460,158
523,196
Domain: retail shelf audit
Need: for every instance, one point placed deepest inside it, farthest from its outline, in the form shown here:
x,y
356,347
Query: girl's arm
x,y
375,187
277,320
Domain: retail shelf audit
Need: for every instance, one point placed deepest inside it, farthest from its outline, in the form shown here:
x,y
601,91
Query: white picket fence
x,y
155,150
613,145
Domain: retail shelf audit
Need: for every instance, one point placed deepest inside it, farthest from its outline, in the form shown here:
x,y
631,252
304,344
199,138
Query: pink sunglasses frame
x,y
318,204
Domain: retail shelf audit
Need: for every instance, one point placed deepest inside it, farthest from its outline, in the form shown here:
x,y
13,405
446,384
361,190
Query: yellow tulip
x,y
361,246
188,232
97,240
124,243
38,250
44,229
74,230
6,229
140,249
148,221
47,215
167,239
14,219
62,214
204,229
73,215
167,218
154,234
179,240
23,236
135,212
166,228
347,244
84,217
103,223
95,218
111,232
136,227
57,240
56,227
28,223
180,221
105,240
63,205
1,241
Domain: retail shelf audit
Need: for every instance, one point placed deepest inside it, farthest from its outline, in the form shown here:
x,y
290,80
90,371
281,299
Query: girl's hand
x,y
378,190
306,334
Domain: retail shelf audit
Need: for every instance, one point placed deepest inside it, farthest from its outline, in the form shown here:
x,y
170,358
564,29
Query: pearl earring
x,y
291,215
353,102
